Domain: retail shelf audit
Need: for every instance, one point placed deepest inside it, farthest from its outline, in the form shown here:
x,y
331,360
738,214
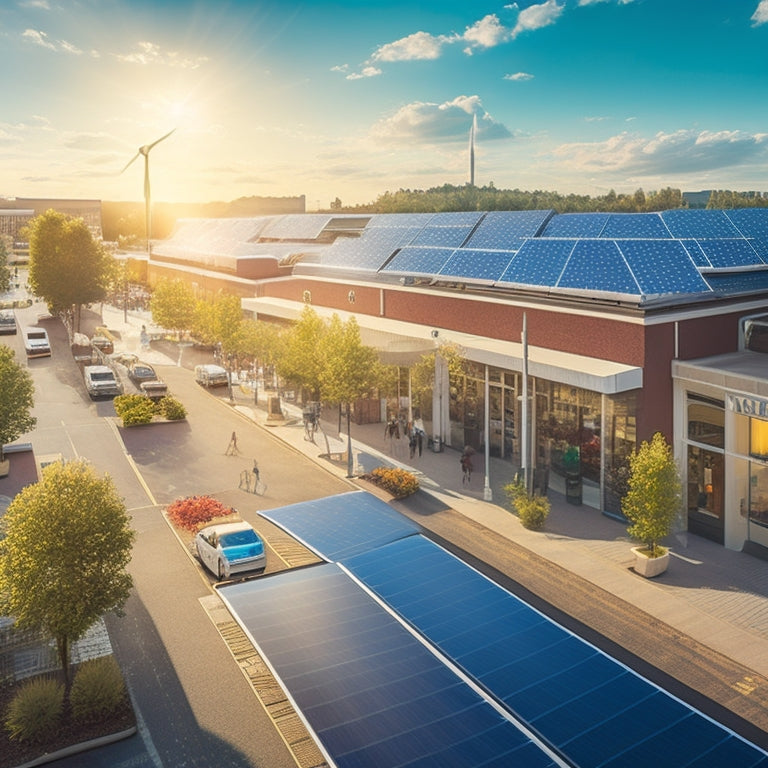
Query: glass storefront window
x,y
758,495
758,438
620,441
706,421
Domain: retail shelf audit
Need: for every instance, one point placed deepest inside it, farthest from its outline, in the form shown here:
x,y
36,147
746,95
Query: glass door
x,y
706,493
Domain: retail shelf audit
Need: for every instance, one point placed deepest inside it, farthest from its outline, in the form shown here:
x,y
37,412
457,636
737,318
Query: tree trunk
x,y
62,646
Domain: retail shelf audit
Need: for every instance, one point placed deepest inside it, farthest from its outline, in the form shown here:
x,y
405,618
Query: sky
x,y
351,100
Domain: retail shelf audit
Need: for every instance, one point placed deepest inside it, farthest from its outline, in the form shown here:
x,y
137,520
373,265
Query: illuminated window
x,y
758,438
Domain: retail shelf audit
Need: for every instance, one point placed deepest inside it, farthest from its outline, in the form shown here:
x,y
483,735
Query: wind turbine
x,y
145,151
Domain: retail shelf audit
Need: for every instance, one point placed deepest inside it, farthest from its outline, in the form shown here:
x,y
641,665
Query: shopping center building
x,y
600,328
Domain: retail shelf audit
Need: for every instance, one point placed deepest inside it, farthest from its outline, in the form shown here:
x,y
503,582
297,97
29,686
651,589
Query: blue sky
x,y
353,99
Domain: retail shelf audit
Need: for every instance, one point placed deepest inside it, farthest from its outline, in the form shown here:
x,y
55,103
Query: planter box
x,y
649,566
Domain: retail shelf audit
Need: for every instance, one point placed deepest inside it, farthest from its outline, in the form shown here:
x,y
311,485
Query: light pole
x,y
229,377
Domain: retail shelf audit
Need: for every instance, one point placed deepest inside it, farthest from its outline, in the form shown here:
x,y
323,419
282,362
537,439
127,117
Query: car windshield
x,y
238,538
102,377
36,335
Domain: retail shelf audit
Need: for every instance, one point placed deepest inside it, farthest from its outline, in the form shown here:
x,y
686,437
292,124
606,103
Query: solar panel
x,y
694,251
465,219
413,260
369,251
296,226
341,525
505,230
418,220
575,225
751,222
739,282
373,694
729,253
645,225
592,709
598,265
447,237
662,267
698,223
477,265
539,262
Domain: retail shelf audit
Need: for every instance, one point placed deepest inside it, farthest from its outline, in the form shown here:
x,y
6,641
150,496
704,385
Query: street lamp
x,y
229,377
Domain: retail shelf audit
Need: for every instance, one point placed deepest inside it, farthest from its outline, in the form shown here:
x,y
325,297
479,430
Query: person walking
x,y
232,449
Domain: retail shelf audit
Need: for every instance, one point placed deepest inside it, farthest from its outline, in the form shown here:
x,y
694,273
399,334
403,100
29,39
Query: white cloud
x,y
537,16
486,33
38,38
429,122
150,53
418,46
519,76
760,16
369,71
595,2
680,152
39,4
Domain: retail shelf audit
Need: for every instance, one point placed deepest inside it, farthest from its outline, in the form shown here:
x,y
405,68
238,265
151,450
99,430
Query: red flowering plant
x,y
190,512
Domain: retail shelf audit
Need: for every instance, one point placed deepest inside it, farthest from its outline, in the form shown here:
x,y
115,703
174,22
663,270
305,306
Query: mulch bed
x,y
67,734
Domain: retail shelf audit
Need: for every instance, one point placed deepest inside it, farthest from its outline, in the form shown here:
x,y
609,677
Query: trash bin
x,y
573,488
437,444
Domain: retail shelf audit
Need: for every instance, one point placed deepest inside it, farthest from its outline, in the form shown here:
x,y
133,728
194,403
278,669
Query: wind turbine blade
x,y
130,161
162,138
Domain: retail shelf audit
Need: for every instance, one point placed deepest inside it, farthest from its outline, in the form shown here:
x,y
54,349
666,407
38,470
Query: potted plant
x,y
652,502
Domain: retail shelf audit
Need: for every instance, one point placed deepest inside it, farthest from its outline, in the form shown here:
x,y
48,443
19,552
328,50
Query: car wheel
x,y
220,570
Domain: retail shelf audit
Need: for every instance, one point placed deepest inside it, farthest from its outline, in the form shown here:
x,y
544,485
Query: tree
x,y
5,272
302,360
64,556
173,306
16,401
219,320
654,498
350,369
67,267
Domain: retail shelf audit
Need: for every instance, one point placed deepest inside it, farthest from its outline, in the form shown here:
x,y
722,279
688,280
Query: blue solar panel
x,y
576,225
598,265
591,708
760,246
698,223
729,253
694,251
623,225
342,525
751,222
505,230
373,694
539,262
477,265
662,267
419,261
445,237
465,219
399,220
739,282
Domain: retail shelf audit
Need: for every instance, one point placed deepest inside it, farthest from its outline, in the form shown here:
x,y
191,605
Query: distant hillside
x,y
128,218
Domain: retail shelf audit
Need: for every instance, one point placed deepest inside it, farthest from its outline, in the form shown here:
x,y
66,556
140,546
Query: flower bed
x,y
399,482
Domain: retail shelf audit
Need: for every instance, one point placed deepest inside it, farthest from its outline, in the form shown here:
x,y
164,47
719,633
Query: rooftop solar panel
x,y
645,225
729,253
597,265
339,526
505,230
477,265
412,260
296,226
447,237
594,710
539,262
576,225
399,220
694,251
662,267
466,219
738,282
373,694
698,223
751,222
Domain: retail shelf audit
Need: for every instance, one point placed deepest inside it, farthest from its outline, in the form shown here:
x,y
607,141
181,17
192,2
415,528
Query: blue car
x,y
230,548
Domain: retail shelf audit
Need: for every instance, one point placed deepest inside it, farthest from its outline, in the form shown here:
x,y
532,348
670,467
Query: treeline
x,y
489,198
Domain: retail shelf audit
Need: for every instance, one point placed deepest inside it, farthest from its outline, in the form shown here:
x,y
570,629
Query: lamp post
x,y
229,377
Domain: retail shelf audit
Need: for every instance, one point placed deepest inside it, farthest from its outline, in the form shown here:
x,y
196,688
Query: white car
x,y
100,381
211,376
36,343
230,548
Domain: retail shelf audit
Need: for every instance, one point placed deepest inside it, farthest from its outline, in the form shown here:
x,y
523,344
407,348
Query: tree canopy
x,y
302,361
67,266
16,401
64,556
654,496
5,272
173,305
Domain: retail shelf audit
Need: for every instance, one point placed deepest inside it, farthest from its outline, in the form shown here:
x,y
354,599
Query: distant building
x,y
88,210
636,323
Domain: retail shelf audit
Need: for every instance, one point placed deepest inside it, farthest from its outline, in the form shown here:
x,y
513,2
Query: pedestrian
x,y
419,440
412,443
232,449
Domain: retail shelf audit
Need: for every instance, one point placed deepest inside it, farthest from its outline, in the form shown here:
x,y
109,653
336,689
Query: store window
x,y
706,421
620,441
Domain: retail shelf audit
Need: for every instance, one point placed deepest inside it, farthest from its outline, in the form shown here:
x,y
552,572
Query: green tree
x,y
16,401
67,266
173,306
654,495
350,369
5,272
219,320
301,361
64,556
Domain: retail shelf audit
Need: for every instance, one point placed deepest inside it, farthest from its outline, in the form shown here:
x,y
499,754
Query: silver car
x,y
100,381
230,548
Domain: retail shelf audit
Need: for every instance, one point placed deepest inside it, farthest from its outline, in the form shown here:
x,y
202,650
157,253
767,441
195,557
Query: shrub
x,y
190,512
532,510
98,690
171,408
35,710
399,482
140,413
124,403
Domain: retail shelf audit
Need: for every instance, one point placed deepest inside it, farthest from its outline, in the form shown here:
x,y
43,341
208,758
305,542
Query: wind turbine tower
x,y
148,209
472,133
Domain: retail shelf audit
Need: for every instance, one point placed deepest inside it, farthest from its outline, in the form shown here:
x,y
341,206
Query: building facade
x,y
583,334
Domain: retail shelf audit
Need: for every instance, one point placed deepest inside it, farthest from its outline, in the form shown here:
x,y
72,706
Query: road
x,y
194,705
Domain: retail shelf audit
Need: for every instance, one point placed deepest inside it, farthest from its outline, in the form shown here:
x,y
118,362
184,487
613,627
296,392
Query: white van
x,y
36,343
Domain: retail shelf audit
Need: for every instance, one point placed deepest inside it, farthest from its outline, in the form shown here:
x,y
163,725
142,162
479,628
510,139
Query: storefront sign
x,y
749,406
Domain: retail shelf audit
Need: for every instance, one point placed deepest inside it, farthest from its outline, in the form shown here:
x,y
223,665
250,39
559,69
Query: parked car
x,y
100,381
154,390
103,344
36,343
139,372
230,548
211,376
7,321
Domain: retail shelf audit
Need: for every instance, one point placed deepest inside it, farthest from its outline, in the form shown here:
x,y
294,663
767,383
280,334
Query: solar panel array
x,y
444,667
